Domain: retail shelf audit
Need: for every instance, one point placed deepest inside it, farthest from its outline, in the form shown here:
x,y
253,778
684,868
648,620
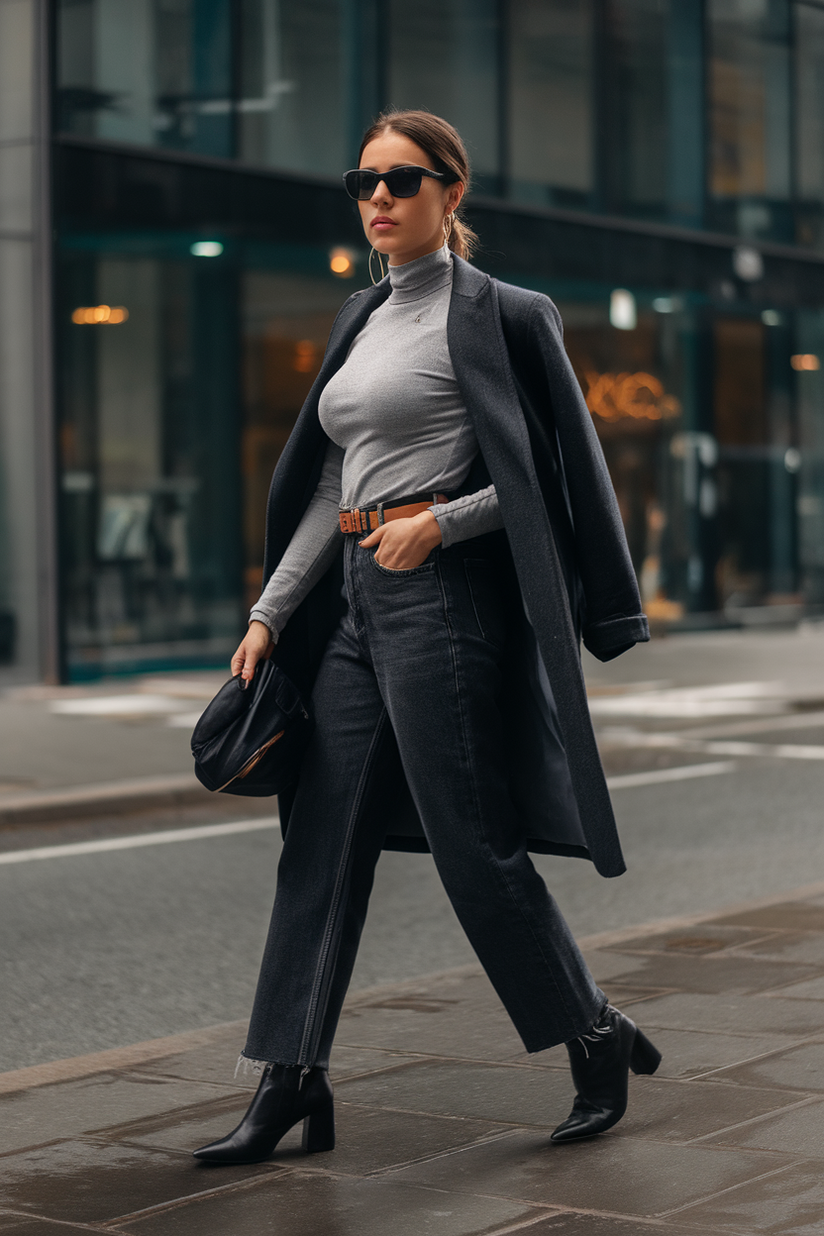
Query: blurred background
x,y
175,242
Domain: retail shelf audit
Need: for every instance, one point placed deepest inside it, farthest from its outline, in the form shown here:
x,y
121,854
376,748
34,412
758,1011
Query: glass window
x,y
809,111
809,381
286,318
444,57
634,140
550,76
633,382
155,72
293,110
749,101
149,449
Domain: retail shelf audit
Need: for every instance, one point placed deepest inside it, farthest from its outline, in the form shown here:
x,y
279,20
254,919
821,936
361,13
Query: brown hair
x,y
443,143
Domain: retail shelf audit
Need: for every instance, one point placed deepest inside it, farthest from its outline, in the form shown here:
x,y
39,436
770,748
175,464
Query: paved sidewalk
x,y
443,1122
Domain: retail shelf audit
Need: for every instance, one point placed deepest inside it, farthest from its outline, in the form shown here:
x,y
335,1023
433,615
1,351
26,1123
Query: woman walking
x,y
441,532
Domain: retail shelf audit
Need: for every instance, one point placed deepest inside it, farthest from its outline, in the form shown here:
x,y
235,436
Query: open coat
x,y
564,532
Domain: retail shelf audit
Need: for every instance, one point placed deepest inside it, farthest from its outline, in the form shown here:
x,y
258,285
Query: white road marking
x,y
119,706
135,842
661,775
682,742
204,831
728,699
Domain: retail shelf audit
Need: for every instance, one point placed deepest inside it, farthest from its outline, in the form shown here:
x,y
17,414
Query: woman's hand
x,y
404,543
256,645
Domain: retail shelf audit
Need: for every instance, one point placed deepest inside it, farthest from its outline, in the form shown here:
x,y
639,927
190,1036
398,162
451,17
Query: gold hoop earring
x,y
375,281
447,226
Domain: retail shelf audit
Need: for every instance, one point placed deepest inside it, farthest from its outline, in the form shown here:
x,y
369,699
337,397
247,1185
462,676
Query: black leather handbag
x,y
251,739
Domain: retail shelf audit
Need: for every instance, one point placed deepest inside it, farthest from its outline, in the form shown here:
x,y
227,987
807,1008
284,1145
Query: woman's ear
x,y
456,192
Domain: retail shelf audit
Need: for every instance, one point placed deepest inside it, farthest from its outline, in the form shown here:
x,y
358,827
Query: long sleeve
x,y
310,552
471,515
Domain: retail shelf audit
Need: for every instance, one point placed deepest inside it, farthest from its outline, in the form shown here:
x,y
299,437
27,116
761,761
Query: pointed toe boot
x,y
286,1095
600,1063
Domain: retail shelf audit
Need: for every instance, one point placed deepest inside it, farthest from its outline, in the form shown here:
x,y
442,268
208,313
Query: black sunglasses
x,y
361,183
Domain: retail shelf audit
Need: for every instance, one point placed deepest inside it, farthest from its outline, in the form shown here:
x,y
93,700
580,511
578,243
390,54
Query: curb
x,y
140,793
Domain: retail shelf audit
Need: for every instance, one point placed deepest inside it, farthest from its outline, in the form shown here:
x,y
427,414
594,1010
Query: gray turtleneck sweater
x,y
396,426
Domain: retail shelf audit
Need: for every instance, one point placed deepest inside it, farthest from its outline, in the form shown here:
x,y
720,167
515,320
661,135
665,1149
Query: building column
x,y
29,644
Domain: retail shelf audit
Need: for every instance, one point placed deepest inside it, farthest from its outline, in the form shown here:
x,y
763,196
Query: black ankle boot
x,y
286,1094
600,1063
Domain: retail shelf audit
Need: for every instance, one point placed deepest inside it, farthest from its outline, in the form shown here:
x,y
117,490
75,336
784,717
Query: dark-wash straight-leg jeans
x,y
412,679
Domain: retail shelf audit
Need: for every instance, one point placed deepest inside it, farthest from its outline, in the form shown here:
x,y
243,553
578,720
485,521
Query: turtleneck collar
x,y
420,277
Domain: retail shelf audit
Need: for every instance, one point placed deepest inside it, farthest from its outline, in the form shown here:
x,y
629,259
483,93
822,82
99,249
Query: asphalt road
x,y
103,949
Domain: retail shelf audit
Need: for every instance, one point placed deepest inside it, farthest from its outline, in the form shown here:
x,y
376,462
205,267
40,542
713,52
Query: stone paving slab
x,y
444,1122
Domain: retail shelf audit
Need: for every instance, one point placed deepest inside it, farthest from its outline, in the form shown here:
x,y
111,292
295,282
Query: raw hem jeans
x,y
412,680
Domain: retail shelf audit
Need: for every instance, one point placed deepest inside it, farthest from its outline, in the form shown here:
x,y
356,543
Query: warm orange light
x,y
304,358
99,315
805,360
637,396
341,263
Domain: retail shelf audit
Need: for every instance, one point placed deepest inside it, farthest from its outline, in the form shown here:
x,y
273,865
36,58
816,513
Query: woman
x,y
445,468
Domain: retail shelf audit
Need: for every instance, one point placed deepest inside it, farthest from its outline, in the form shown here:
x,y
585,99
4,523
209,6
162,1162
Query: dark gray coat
x,y
564,531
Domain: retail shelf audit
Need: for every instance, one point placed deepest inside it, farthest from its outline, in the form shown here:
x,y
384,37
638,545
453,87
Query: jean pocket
x,y
484,584
426,566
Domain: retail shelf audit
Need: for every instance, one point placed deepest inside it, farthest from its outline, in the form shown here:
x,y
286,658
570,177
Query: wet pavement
x,y
443,1121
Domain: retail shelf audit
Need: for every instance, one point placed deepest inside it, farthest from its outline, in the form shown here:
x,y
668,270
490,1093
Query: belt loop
x,y
380,514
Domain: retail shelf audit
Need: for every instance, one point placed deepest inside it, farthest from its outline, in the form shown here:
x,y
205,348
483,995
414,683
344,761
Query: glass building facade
x,y
655,166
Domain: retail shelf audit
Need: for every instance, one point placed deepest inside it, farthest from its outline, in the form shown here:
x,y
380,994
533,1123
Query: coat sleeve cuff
x,y
608,639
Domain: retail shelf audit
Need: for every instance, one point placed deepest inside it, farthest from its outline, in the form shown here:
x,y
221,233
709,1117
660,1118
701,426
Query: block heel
x,y
600,1062
287,1095
319,1130
645,1058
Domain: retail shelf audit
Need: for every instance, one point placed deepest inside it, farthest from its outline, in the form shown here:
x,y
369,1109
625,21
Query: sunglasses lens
x,y
403,181
360,185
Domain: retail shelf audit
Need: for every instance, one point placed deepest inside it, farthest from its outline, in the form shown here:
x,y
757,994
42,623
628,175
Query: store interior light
x,y
100,315
622,311
771,317
629,396
342,263
805,361
305,356
206,248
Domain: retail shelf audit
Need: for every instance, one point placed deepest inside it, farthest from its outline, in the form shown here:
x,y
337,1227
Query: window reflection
x,y
293,105
809,112
810,476
633,146
286,322
155,72
149,477
444,56
749,85
551,76
633,384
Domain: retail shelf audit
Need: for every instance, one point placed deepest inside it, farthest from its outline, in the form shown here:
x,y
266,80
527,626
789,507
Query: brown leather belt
x,y
368,518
